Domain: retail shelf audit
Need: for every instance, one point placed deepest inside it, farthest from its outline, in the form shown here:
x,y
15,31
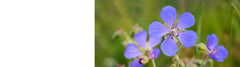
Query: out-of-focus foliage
x,y
211,16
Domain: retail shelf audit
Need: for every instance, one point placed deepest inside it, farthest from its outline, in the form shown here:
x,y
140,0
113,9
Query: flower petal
x,y
186,20
221,52
169,46
220,55
132,51
141,38
157,30
154,42
212,41
155,53
215,57
187,38
169,15
136,63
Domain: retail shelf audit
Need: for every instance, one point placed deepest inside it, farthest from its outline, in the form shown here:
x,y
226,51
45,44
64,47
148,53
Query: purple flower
x,y
133,51
217,53
187,38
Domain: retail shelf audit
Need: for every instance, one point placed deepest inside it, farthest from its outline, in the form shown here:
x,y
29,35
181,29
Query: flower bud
x,y
194,65
182,64
202,48
173,65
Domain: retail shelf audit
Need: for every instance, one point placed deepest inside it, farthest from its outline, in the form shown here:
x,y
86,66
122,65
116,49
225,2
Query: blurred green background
x,y
211,16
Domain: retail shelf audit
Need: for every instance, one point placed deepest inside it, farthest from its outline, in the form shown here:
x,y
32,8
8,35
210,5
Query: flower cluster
x,y
172,31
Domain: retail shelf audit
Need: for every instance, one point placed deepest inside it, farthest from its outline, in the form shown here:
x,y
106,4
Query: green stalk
x,y
211,62
231,33
236,9
180,48
177,58
153,63
196,53
203,61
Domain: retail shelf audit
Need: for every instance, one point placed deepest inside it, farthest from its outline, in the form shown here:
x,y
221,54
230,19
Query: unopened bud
x,y
182,64
194,65
202,48
115,34
173,65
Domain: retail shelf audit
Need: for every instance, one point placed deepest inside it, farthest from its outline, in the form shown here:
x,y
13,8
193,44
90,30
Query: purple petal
x,y
157,30
212,41
154,42
186,20
221,52
169,46
136,63
132,51
187,38
169,15
141,38
220,60
215,57
155,53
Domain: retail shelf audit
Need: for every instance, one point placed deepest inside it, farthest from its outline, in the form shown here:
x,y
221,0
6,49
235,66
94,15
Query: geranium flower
x,y
143,48
218,53
186,37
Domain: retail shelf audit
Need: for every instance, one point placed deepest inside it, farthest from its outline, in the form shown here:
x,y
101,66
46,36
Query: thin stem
x,y
236,9
180,48
231,32
203,61
178,62
129,63
196,52
177,58
210,61
199,29
153,63
202,64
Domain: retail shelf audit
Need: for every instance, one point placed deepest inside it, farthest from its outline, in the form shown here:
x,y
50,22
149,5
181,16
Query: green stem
x,y
196,52
177,58
200,23
199,29
179,62
231,33
203,61
211,62
180,48
236,9
153,63
129,63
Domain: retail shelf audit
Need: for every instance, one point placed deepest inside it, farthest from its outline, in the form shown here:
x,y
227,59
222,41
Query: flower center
x,y
212,52
143,60
174,31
